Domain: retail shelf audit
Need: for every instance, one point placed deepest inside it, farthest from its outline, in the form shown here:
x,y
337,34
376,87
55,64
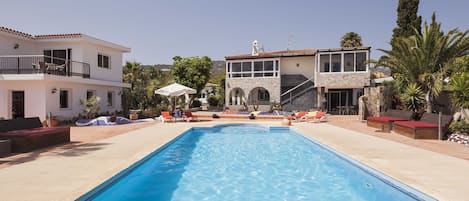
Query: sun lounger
x,y
319,117
165,116
190,117
426,128
386,120
298,116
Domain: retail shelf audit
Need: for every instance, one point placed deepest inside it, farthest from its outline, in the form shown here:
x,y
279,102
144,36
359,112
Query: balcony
x,y
42,64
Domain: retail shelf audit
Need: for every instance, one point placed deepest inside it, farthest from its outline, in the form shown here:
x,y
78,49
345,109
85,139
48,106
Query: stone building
x,y
298,79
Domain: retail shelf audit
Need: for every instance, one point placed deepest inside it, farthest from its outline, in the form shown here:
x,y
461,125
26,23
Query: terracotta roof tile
x,y
54,36
15,32
38,37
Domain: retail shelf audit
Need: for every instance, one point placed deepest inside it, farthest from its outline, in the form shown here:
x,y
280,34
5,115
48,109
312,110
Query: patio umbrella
x,y
175,90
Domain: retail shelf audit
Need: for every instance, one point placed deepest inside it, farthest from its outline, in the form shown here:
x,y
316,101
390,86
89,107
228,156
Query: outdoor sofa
x,y
27,134
387,119
426,128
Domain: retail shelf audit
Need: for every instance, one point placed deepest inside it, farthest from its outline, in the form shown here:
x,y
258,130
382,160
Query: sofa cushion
x,y
416,124
33,131
385,119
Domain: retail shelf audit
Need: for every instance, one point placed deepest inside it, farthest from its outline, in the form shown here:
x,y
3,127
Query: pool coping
x,y
400,186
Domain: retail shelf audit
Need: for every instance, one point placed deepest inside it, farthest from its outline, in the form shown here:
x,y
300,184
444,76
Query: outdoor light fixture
x,y
53,90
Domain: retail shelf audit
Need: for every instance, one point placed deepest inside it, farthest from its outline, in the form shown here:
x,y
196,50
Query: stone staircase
x,y
298,93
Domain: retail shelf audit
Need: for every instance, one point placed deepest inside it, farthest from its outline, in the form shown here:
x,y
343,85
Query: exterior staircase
x,y
298,93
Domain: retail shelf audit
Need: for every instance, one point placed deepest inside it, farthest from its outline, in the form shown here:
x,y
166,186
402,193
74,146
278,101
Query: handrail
x,y
297,86
296,95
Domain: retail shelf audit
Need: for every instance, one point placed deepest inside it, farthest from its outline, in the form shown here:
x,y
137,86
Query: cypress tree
x,y
407,19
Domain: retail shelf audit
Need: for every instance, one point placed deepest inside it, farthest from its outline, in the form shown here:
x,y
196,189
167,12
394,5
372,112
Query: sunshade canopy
x,y
175,90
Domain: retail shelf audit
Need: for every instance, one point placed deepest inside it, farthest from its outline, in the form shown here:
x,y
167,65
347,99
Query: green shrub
x,y
213,100
459,126
196,103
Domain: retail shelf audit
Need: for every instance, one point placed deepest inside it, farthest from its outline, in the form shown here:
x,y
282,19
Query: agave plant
x,y
413,97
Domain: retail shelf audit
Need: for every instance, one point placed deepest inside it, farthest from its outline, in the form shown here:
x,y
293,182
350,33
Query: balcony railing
x,y
36,64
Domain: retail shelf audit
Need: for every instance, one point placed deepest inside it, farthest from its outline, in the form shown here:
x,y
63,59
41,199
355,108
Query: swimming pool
x,y
249,162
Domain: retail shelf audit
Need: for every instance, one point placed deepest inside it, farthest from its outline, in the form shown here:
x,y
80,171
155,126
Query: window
x,y
236,67
263,95
348,62
324,62
57,56
247,67
336,62
103,61
110,98
258,66
90,94
253,68
360,61
268,65
64,99
343,62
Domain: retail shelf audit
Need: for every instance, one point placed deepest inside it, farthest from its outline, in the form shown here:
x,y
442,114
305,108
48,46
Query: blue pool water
x,y
248,162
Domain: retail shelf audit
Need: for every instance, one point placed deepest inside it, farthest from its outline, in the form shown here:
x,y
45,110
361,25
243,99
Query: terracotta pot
x,y
286,122
133,116
54,122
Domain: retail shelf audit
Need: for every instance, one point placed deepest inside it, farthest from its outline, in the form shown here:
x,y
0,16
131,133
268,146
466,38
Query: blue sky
x,y
158,30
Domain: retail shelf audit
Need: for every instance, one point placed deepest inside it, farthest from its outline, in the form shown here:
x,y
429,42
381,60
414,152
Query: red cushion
x,y
386,119
416,124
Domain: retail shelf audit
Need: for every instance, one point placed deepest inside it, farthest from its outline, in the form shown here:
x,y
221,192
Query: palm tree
x,y
351,39
425,59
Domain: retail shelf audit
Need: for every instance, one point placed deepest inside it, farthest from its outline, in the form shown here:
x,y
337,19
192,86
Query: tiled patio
x,y
66,172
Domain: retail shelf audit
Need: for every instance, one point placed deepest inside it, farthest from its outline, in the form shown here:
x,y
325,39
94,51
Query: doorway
x,y
17,103
339,101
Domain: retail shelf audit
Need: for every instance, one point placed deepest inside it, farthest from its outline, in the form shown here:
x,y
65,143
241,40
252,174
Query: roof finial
x,y
255,49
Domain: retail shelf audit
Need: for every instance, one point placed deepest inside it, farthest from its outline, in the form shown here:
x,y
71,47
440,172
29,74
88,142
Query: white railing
x,y
34,64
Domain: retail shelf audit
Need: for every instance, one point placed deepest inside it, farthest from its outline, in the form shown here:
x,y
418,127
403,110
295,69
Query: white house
x,y
298,79
41,74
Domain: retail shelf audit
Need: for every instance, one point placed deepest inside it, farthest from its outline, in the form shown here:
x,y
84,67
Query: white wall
x,y
39,99
298,65
90,55
26,47
34,97
77,92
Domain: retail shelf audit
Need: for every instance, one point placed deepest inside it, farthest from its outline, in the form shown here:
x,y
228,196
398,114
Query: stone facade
x,y
374,101
272,85
305,102
343,80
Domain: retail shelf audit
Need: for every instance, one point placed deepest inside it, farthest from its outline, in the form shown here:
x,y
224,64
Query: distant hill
x,y
218,67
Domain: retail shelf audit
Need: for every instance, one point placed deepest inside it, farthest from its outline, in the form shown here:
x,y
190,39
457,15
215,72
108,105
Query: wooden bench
x,y
386,120
27,134
426,128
